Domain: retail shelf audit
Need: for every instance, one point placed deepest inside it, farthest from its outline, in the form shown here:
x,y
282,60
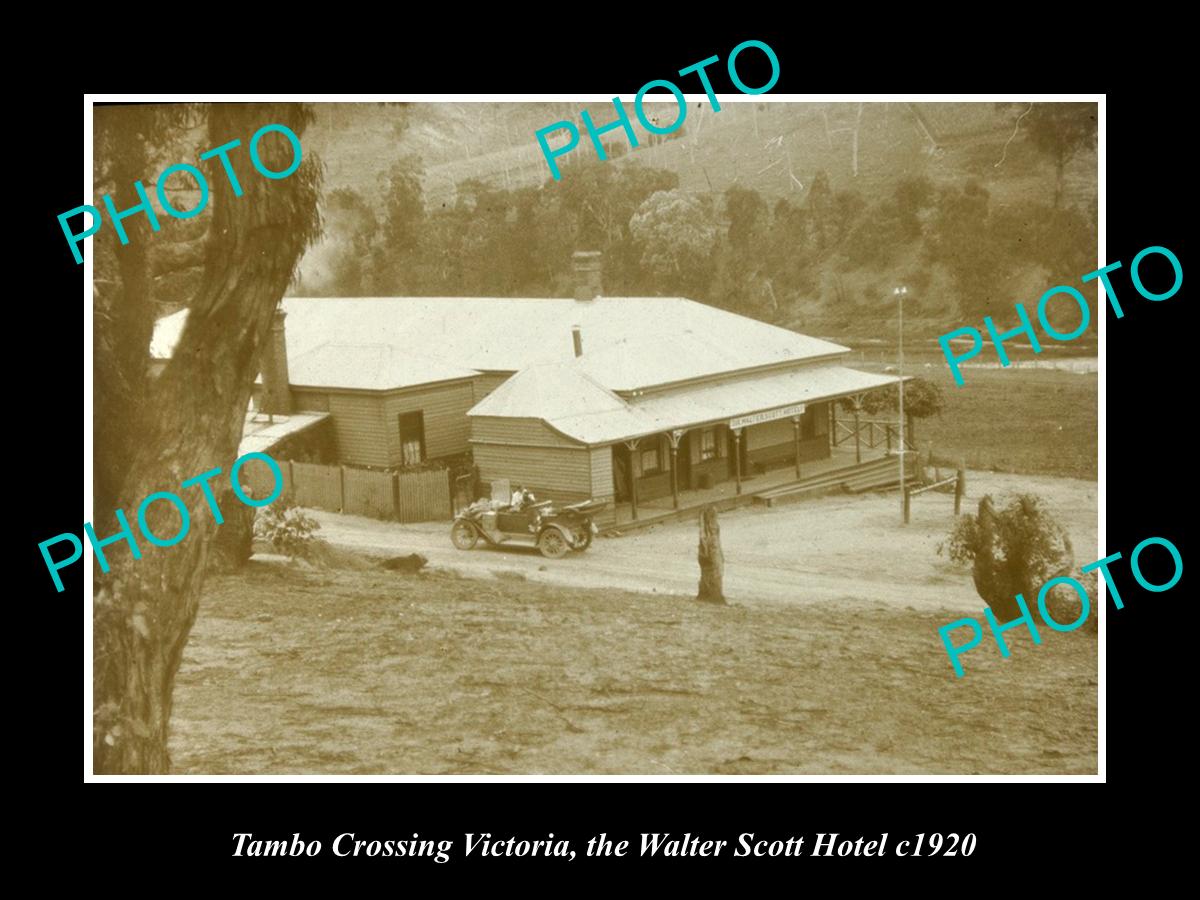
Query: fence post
x,y
960,488
907,502
341,489
291,482
396,496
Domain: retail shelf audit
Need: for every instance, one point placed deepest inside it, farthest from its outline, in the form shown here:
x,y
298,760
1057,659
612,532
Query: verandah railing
x,y
872,433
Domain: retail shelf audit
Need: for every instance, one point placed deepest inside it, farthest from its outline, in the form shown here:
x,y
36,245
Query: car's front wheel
x,y
552,544
463,536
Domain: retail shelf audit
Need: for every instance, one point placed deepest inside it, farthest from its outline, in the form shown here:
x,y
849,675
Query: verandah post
x,y
857,432
674,437
633,477
796,429
737,457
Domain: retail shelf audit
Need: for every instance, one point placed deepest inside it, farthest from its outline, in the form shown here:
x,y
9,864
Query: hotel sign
x,y
784,412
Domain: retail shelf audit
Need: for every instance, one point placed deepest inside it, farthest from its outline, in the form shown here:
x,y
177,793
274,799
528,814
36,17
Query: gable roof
x,y
628,342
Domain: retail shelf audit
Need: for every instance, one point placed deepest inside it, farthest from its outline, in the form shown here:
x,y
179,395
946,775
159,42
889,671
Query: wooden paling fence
x,y
418,496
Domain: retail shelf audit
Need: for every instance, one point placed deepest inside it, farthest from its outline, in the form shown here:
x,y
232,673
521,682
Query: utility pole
x,y
900,293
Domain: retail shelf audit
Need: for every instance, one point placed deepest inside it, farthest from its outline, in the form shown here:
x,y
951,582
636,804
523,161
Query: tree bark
x,y
143,609
712,560
233,542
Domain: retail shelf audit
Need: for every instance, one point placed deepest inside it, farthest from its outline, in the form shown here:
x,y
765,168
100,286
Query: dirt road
x,y
847,548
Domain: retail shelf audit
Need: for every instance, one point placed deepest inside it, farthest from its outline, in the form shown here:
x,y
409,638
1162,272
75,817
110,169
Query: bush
x,y
286,528
1012,550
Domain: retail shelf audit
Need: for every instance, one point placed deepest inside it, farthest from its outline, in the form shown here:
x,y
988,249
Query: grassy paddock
x,y
1029,421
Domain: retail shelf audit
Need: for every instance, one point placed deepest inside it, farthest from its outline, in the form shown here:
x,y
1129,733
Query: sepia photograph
x,y
478,437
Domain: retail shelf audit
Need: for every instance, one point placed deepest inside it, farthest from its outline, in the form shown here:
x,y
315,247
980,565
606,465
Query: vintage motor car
x,y
554,530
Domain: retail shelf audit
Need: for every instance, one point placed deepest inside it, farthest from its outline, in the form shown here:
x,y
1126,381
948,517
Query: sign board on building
x,y
770,415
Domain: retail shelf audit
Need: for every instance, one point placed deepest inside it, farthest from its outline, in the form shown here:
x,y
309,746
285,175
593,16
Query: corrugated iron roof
x,y
628,342
587,412
368,367
549,391
262,432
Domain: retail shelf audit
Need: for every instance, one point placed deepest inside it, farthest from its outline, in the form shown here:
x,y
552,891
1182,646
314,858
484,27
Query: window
x,y
708,444
412,438
650,462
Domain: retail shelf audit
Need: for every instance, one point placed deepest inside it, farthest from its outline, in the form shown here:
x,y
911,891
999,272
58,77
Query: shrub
x,y
1013,550
288,529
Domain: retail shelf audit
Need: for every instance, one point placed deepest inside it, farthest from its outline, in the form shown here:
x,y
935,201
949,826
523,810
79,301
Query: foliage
x,y
287,528
1024,529
1059,131
677,234
922,398
1013,550
824,251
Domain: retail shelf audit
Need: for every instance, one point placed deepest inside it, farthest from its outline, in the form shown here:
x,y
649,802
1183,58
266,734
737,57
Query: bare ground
x,y
357,670
843,548
830,662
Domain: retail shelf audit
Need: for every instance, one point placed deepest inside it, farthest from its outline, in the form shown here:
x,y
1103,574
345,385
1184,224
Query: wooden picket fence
x,y
418,496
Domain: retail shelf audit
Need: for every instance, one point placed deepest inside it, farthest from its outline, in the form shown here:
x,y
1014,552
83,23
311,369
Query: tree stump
x,y
712,560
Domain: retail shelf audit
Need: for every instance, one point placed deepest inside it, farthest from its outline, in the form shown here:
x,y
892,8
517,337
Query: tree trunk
x,y
994,578
233,542
143,609
712,560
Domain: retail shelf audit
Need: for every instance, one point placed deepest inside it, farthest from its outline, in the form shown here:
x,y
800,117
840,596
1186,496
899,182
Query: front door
x,y
684,460
620,464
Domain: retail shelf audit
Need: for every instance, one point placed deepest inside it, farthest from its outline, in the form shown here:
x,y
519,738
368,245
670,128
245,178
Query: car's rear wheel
x,y
463,536
552,544
586,531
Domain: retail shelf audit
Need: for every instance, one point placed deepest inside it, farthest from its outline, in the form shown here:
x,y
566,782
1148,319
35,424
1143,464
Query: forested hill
x,y
803,214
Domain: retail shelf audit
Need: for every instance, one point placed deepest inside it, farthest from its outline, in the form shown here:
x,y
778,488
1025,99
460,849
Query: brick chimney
x,y
587,274
276,391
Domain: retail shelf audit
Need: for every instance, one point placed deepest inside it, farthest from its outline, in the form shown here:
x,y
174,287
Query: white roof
x,y
573,403
369,367
549,391
262,432
628,342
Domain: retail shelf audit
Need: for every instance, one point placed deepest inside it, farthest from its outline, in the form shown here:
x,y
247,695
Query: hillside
x,y
770,146
802,214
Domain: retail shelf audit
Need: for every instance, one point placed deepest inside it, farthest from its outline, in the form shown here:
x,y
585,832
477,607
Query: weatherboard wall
x,y
529,453
557,473
517,432
487,382
445,413
367,423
